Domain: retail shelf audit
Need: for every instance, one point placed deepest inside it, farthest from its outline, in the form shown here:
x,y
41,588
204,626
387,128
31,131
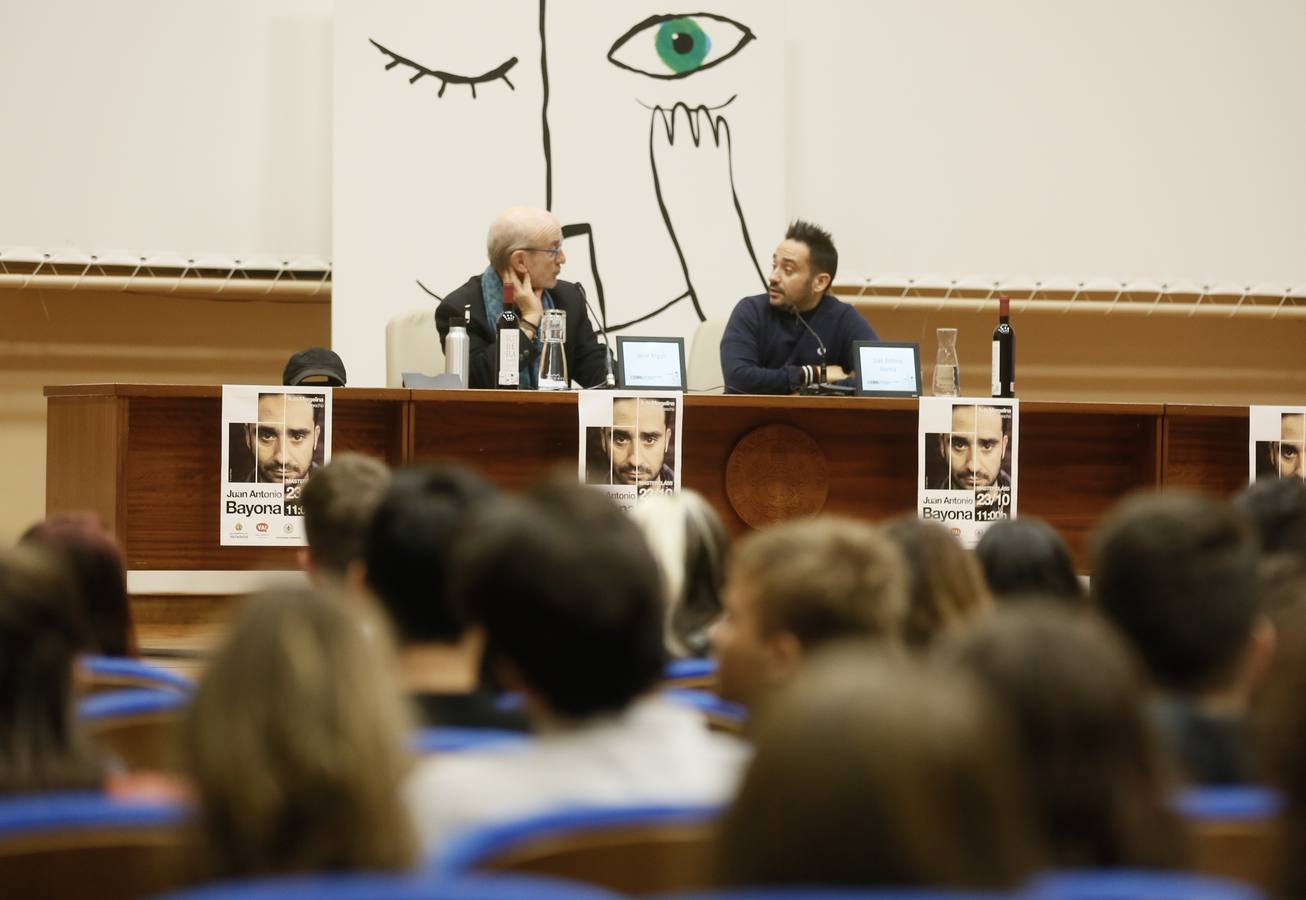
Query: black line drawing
x,y
745,35
676,39
447,78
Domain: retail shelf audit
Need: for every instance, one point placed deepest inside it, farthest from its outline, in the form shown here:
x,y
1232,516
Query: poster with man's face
x,y
1277,442
630,443
274,438
967,463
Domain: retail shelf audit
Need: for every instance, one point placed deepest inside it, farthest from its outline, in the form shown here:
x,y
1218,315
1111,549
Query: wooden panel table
x,y
148,460
147,457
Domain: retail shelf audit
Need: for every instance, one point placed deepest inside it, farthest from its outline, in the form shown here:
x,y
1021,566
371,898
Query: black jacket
x,y
585,364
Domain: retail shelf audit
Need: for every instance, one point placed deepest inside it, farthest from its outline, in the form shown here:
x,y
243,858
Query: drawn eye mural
x,y
498,73
679,44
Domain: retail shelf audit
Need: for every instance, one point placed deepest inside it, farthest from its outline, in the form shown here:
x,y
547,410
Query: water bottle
x,y
947,373
553,354
457,348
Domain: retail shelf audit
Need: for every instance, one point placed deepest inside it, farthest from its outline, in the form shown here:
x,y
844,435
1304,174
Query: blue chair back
x,y
722,715
1234,831
696,673
87,845
1136,884
634,849
375,886
448,739
116,673
140,728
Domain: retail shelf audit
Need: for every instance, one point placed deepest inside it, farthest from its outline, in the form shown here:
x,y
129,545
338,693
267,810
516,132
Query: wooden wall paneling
x,y
1078,460
514,438
1206,448
84,457
869,448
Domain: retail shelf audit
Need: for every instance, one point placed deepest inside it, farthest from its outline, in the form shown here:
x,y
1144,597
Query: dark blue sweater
x,y
763,348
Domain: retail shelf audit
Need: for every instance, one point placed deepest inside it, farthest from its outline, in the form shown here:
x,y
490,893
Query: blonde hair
x,y
294,740
824,579
690,546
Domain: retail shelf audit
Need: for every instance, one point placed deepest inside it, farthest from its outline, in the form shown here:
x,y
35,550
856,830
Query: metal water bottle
x,y
457,348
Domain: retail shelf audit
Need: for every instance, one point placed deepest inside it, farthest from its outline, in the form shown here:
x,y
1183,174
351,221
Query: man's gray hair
x,y
515,228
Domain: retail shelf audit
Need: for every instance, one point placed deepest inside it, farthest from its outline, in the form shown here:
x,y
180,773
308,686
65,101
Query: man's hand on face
x,y
528,304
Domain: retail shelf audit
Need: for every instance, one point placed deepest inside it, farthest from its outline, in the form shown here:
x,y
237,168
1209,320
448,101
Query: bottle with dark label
x,y
1004,352
508,331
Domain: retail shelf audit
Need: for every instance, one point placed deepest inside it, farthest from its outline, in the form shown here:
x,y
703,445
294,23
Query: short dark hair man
x,y
1176,574
633,451
338,502
975,448
571,600
408,552
765,349
284,439
524,246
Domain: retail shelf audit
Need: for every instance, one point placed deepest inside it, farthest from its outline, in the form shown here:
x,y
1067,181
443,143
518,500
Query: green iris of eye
x,y
682,44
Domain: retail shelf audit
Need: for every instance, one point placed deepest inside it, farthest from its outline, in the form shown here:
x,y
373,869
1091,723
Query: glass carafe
x,y
553,355
947,373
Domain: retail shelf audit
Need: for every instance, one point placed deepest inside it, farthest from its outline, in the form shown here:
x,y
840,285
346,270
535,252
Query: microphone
x,y
609,380
820,344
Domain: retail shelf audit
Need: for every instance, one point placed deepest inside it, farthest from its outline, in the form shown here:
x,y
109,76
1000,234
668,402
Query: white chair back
x,y
412,344
705,358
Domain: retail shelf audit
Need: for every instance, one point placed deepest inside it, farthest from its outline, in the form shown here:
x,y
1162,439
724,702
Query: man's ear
x,y
786,654
821,282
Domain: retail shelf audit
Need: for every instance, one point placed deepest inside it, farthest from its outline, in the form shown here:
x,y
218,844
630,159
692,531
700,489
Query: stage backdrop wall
x,y
661,162
1009,138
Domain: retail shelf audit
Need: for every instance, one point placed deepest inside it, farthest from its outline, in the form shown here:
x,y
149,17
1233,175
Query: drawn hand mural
x,y
658,144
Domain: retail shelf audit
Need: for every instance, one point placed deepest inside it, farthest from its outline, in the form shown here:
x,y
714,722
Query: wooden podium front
x,y
147,458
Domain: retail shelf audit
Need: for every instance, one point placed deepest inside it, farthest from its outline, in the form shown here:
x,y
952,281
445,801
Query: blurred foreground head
x,y
570,598
799,586
90,558
294,741
1075,695
871,771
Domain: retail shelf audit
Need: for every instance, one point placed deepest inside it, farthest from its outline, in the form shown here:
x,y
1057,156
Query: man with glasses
x,y
525,250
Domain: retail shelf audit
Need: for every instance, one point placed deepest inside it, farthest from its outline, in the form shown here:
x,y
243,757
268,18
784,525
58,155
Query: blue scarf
x,y
492,295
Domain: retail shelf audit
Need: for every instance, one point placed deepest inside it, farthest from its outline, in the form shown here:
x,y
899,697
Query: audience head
x,y
1277,510
409,550
1281,739
522,241
40,635
1176,574
339,500
294,742
93,563
1027,557
569,595
871,771
691,546
1076,700
797,587
946,587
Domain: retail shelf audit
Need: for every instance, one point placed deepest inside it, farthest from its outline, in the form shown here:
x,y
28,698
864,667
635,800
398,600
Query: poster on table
x,y
1277,439
967,463
630,443
273,438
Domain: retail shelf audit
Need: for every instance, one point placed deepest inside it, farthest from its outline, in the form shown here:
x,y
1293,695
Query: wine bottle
x,y
1004,352
508,331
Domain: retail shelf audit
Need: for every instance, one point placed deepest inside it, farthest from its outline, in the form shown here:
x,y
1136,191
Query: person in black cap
x,y
316,365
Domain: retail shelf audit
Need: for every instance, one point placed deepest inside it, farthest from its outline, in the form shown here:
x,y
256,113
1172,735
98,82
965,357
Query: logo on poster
x,y
262,527
240,527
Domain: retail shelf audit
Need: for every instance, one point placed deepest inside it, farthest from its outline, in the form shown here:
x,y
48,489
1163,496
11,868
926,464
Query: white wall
x,y
1036,137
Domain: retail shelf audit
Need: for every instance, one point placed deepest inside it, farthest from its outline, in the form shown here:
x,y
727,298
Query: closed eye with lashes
x,y
498,73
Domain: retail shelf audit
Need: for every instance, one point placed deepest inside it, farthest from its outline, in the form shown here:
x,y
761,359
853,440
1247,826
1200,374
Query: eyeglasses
x,y
552,251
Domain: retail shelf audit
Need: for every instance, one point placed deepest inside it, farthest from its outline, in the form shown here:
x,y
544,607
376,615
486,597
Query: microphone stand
x,y
609,380
820,387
